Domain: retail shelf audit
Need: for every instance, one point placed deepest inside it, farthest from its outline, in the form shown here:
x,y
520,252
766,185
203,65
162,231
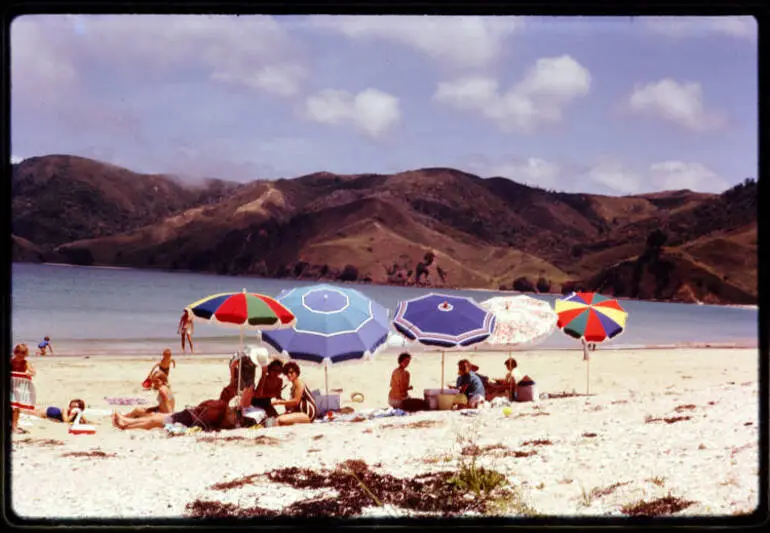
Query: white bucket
x,y
432,397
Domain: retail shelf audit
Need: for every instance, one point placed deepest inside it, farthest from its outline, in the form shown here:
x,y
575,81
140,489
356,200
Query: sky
x,y
604,105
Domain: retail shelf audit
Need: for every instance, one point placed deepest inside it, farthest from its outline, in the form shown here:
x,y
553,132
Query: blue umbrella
x,y
448,322
334,324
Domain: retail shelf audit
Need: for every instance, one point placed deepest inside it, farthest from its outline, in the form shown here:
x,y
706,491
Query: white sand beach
x,y
680,423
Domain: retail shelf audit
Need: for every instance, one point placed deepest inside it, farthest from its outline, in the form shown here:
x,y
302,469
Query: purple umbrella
x,y
448,322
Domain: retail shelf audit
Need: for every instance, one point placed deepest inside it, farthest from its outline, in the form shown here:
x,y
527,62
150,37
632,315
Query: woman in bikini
x,y
185,329
166,401
301,407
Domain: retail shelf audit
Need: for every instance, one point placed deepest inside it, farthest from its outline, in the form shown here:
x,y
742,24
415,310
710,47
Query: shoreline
x,y
130,352
438,289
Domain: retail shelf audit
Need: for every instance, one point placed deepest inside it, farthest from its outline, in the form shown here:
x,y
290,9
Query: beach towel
x,y
363,415
125,401
22,391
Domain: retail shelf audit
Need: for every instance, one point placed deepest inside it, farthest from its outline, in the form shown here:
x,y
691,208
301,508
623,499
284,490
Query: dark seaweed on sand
x,y
423,493
93,453
659,507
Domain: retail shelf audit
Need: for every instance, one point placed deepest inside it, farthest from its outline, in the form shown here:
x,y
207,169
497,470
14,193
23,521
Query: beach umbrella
x,y
520,321
244,310
444,321
591,318
334,325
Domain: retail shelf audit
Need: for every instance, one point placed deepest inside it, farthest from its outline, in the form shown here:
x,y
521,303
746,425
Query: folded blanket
x,y
125,401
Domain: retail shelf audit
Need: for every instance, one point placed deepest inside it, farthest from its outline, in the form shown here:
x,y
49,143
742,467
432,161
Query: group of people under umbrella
x,y
328,325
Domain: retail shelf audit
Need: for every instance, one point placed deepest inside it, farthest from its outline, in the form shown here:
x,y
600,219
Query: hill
x,y
432,226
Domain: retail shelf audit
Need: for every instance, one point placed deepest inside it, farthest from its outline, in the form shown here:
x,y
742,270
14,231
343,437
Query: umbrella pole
x,y
240,348
441,383
587,359
326,379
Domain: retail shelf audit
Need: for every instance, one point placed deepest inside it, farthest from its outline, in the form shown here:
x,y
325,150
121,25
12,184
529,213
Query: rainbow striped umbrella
x,y
243,309
590,317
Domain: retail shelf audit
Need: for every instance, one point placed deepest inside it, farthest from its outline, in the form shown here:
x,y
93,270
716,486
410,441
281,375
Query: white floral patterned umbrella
x,y
521,321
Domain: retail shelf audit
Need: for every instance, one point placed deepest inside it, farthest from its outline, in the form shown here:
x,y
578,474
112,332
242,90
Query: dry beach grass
x,y
644,442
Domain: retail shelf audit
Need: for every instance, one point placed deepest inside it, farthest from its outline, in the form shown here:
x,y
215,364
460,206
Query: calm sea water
x,y
86,306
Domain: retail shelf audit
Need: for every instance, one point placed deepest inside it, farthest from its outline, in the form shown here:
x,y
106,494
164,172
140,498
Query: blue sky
x,y
609,105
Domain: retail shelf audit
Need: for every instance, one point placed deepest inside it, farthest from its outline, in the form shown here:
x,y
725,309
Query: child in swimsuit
x,y
45,346
165,364
19,364
54,413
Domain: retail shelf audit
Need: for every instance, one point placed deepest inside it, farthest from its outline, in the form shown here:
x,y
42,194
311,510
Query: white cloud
x,y
674,175
607,174
680,103
16,159
616,176
531,171
42,75
739,27
372,111
250,51
539,98
456,41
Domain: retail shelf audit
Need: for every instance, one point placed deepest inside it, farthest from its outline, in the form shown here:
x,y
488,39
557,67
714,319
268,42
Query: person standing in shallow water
x,y
185,329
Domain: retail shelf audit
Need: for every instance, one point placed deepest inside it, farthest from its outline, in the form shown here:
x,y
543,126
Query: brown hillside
x,y
487,233
96,198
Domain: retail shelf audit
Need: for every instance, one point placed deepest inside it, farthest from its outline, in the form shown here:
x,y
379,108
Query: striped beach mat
x,y
22,391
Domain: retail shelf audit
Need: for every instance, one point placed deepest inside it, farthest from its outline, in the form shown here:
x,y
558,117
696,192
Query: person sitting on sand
x,y
210,415
185,329
242,368
398,397
45,346
19,397
301,407
270,386
166,402
68,415
508,383
470,384
165,364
